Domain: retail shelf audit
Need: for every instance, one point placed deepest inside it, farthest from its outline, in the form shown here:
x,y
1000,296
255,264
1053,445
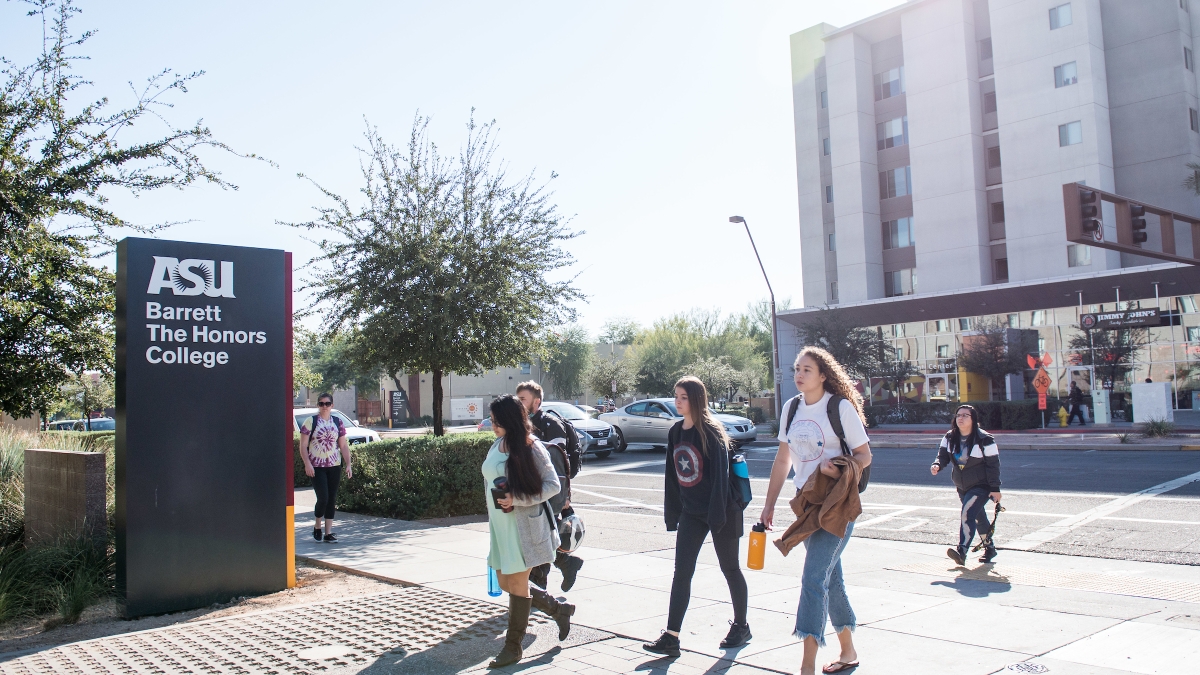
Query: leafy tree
x,y
758,327
676,341
717,375
1111,352
895,372
860,350
621,330
82,394
58,161
569,354
603,372
335,359
445,266
990,354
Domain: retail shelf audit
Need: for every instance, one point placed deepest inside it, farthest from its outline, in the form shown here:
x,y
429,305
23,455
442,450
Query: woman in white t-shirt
x,y
807,445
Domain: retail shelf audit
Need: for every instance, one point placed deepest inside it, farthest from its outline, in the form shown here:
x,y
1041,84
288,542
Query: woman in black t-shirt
x,y
698,501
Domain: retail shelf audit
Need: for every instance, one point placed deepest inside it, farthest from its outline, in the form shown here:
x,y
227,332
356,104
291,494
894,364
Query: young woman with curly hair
x,y
808,445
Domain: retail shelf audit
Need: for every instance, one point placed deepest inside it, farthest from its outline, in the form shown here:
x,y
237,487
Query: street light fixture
x,y
774,335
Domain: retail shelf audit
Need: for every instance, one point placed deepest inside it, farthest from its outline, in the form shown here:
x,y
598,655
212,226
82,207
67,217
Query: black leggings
x,y
325,483
689,539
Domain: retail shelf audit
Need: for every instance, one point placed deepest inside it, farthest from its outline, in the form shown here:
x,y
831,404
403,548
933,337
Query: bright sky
x,y
662,119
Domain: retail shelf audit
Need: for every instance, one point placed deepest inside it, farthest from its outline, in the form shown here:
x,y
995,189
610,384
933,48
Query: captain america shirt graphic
x,y
689,465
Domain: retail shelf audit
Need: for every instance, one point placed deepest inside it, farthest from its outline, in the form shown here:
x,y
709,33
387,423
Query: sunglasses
x,y
324,404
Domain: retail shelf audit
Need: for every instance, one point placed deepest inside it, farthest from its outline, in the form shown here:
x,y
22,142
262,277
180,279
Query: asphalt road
x,y
1132,505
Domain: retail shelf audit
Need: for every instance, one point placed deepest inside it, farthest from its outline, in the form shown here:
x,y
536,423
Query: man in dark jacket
x,y
1076,400
550,430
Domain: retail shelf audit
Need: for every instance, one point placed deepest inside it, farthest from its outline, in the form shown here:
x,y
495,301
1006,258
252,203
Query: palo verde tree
x,y
612,377
569,354
445,267
58,160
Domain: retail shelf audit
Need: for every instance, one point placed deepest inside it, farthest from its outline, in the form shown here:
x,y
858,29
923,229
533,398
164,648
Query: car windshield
x,y
567,410
101,425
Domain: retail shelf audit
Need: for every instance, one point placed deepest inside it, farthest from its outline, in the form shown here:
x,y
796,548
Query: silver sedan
x,y
649,421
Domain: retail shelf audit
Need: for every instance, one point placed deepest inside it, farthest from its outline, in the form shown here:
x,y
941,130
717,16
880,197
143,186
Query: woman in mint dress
x,y
525,537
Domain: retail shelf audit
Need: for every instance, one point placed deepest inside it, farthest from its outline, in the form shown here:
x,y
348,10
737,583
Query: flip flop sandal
x,y
839,666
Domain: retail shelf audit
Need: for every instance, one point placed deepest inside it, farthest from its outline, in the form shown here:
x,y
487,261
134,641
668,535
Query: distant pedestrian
x,y
524,536
551,431
323,448
976,474
809,443
1076,400
698,502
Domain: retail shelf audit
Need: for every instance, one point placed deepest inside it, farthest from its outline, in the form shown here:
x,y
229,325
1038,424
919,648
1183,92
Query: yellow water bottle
x,y
758,546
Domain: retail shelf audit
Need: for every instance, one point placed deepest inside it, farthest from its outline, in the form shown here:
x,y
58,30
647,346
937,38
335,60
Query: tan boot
x,y
559,611
518,624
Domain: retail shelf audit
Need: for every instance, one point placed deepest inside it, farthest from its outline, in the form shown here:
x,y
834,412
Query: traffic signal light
x,y
1138,212
1088,212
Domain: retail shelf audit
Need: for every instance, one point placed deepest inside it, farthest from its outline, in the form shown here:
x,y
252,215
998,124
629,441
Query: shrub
x,y
1158,428
64,578
756,414
993,415
414,477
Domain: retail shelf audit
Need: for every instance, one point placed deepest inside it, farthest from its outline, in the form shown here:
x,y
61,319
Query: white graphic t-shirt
x,y
811,438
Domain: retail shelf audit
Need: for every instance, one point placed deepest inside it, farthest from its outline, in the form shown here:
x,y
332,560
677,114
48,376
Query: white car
x,y
354,433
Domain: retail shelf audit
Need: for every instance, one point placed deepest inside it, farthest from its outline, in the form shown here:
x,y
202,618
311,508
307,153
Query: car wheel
x,y
621,445
602,454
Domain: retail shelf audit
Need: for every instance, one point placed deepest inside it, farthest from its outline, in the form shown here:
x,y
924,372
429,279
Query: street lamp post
x,y
774,334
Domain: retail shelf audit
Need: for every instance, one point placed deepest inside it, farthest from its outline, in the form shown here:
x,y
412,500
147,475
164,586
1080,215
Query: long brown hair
x,y
524,478
837,382
701,416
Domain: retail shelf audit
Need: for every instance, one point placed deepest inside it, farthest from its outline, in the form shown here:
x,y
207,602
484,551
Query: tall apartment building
x,y
933,140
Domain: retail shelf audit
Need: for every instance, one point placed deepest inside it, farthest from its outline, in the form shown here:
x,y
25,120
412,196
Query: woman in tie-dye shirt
x,y
323,447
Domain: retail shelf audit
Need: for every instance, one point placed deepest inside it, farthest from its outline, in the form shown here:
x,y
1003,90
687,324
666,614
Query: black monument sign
x,y
203,423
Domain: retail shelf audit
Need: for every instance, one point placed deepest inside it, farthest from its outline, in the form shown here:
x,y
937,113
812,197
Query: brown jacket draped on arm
x,y
824,503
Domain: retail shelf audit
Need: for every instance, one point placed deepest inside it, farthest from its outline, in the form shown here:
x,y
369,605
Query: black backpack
x,y
832,411
574,452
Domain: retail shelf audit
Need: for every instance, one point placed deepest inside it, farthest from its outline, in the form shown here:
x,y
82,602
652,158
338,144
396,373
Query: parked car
x,y
97,424
595,437
592,412
354,433
650,420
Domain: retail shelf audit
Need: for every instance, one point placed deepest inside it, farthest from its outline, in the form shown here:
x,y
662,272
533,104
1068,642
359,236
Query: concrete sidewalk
x,y
916,612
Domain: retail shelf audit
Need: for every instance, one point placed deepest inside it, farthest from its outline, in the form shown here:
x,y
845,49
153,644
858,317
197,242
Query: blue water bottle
x,y
741,481
493,583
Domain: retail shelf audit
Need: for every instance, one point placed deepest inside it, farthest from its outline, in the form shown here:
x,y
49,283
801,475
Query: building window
x,y
1065,75
1187,304
889,83
1187,59
985,49
892,133
997,212
1079,255
900,282
833,291
828,194
1039,317
989,102
942,326
1194,119
1000,270
1193,333
1014,320
524,368
897,330
1070,133
899,233
964,324
1060,16
993,157
899,353
895,183
832,244
825,99
943,351
825,146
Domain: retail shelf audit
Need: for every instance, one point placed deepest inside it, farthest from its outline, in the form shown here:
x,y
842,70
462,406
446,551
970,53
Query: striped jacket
x,y
977,467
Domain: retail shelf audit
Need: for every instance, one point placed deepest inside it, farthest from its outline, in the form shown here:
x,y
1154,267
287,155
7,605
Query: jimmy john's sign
x,y
1133,318
204,423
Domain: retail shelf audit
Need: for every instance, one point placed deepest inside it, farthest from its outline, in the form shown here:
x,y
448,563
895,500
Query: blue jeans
x,y
973,517
822,591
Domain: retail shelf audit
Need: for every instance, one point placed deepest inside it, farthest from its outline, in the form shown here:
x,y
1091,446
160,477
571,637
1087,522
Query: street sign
x,y
1116,320
398,407
466,408
1041,382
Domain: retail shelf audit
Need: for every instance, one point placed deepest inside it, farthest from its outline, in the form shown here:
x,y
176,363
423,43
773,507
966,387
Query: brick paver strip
x,y
1142,587
358,630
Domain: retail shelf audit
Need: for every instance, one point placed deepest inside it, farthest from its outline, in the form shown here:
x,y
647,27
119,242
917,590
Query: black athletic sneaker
x,y
570,568
956,556
317,533
331,537
739,634
666,644
989,554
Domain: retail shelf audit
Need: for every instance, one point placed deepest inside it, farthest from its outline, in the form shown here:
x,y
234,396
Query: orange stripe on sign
x,y
291,546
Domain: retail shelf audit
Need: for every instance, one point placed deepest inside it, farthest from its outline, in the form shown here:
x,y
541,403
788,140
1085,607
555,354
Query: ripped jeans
x,y
823,591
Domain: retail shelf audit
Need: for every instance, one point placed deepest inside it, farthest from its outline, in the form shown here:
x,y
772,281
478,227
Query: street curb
x,y
930,444
356,572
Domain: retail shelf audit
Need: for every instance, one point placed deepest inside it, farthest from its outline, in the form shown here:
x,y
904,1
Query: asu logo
x,y
191,277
